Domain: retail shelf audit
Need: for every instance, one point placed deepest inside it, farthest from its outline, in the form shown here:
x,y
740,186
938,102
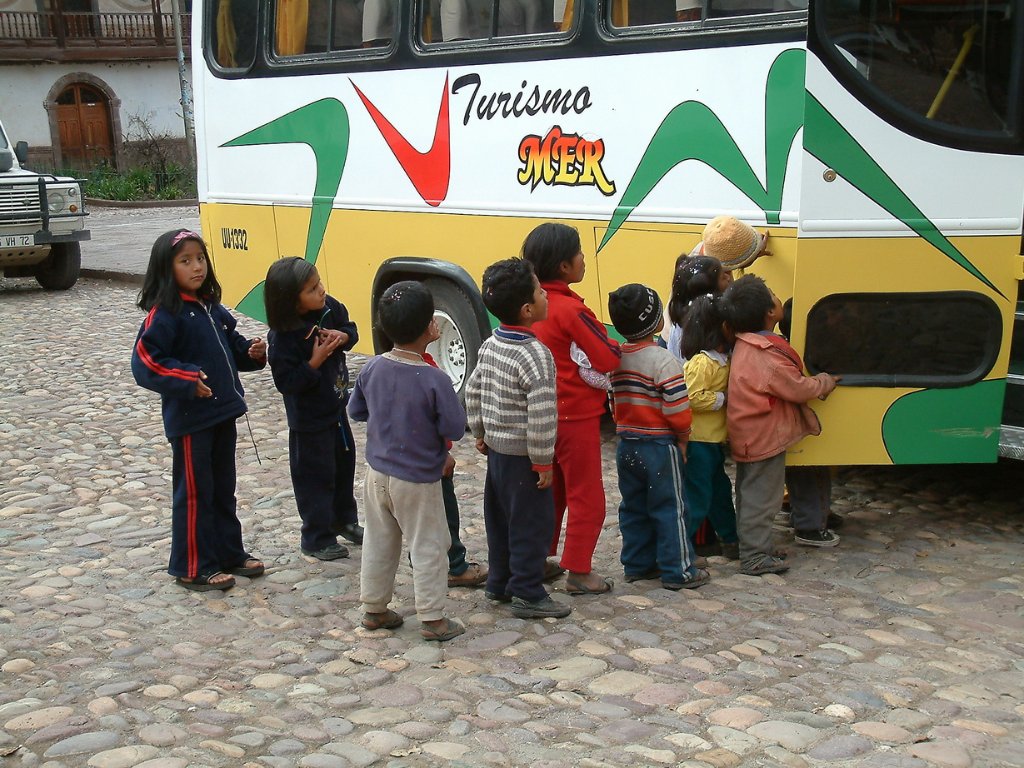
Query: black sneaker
x,y
835,521
498,597
541,609
816,538
330,552
350,532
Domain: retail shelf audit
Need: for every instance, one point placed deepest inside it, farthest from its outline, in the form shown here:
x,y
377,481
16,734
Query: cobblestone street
x,y
901,648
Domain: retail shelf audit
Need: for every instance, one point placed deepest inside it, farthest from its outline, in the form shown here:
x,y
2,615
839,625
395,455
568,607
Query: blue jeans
x,y
652,514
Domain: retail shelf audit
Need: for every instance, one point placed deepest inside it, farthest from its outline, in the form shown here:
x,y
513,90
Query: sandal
x,y
443,632
699,579
552,570
204,582
645,576
387,620
574,587
250,567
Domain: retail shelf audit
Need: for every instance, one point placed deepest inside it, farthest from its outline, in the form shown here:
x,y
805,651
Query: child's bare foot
x,y
587,583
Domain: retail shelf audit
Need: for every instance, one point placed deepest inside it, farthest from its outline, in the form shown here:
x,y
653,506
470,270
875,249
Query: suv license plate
x,y
16,241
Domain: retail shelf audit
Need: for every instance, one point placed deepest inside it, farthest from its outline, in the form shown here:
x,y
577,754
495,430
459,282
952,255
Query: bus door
x,y
907,267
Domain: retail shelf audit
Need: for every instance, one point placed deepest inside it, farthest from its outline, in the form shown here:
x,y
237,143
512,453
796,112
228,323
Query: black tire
x,y
455,352
60,270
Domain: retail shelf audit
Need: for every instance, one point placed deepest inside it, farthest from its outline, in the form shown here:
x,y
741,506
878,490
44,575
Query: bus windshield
x,y
947,61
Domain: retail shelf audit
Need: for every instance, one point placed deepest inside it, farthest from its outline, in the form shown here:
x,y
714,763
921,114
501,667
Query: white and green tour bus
x,y
880,144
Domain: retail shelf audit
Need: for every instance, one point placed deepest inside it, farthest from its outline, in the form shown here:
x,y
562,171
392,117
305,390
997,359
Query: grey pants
x,y
397,509
759,489
810,497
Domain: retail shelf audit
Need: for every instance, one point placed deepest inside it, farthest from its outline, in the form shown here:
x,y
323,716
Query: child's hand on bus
x,y
830,384
481,446
258,349
324,344
545,479
449,466
201,389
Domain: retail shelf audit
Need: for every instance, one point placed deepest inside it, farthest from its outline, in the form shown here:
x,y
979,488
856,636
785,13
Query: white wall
x,y
149,89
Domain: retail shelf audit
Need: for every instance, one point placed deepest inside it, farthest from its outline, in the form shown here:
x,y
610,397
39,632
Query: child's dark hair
x,y
506,287
745,303
786,323
694,276
702,328
285,280
405,310
548,246
159,288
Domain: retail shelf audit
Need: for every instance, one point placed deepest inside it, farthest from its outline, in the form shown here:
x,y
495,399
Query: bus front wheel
x,y
456,349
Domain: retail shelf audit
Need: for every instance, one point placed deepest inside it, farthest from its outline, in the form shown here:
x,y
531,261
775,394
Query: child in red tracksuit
x,y
557,258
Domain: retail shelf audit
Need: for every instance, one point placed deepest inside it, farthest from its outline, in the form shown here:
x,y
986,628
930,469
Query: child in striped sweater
x,y
510,401
652,420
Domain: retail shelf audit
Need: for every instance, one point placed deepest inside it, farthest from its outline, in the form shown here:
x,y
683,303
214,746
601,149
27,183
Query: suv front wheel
x,y
59,271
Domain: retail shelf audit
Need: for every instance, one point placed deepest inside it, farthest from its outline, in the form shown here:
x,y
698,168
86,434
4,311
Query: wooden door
x,y
83,118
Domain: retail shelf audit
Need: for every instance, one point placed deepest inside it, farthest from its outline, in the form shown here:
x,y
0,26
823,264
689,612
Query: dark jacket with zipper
x,y
314,398
170,350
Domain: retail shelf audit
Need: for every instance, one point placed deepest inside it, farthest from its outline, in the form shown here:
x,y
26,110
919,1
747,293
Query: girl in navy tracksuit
x,y
189,351
309,335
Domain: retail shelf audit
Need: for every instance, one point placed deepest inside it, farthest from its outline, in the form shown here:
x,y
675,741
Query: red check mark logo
x,y
428,171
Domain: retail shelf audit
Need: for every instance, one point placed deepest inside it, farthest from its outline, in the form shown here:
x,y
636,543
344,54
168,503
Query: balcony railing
x,y
69,29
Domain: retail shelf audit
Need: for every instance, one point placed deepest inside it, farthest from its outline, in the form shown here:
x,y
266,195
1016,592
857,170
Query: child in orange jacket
x,y
766,413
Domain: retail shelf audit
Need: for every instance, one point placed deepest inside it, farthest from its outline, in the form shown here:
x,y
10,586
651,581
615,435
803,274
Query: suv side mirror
x,y
6,160
21,152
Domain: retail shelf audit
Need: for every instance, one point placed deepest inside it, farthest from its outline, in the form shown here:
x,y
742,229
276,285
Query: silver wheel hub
x,y
449,351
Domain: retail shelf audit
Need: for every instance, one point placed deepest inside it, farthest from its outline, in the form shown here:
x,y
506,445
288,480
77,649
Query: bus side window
x,y
724,8
324,26
475,19
642,13
232,25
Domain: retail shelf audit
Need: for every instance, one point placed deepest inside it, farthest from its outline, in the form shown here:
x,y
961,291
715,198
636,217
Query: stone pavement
x,y
901,648
122,238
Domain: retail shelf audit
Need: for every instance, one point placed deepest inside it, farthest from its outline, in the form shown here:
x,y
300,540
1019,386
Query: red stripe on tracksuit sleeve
x,y
190,500
153,365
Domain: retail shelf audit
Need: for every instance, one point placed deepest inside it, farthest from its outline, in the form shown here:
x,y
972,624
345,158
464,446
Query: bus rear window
x,y
947,62
946,339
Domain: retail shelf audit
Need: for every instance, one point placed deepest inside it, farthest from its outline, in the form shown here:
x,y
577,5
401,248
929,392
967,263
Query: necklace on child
x,y
408,354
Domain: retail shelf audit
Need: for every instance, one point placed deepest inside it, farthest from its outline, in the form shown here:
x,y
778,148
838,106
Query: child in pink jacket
x,y
766,414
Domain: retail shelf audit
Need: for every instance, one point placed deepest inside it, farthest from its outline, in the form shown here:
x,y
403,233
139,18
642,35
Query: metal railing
x,y
62,28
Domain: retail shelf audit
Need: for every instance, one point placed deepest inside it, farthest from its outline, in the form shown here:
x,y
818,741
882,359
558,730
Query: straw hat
x,y
732,242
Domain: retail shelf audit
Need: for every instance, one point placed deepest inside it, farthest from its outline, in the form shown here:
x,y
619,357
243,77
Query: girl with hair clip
x,y
706,345
694,276
189,352
310,332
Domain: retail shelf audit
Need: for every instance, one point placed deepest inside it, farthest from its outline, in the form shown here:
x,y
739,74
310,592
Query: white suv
x,y
42,221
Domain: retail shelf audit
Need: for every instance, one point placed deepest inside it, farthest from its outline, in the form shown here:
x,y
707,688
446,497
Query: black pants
x,y
206,536
520,520
457,564
323,468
